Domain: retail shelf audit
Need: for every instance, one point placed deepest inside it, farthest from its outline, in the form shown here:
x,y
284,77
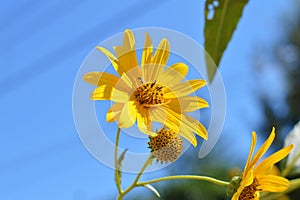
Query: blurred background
x,y
42,45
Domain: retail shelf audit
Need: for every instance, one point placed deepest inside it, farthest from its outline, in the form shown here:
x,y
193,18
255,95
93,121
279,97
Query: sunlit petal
x,y
173,75
273,183
144,123
114,61
194,126
127,115
167,117
147,51
107,92
162,53
262,150
103,78
186,133
266,165
114,112
184,89
192,103
248,163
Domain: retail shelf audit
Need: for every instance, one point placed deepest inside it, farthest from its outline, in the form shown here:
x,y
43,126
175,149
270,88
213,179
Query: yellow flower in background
x,y
148,92
166,146
257,176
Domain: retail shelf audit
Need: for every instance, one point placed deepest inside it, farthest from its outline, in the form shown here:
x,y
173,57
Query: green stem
x,y
194,177
134,184
287,170
117,177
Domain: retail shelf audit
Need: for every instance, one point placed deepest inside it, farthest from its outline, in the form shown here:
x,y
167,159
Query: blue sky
x,y
42,47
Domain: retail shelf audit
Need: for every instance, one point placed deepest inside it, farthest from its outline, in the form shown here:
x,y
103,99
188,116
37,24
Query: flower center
x,y
166,145
149,94
250,192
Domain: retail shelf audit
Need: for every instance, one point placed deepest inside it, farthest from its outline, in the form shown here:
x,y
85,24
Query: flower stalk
x,y
134,184
178,177
117,168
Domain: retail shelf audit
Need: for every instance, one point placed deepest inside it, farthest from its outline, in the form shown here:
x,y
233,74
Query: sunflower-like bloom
x,y
257,177
166,146
148,92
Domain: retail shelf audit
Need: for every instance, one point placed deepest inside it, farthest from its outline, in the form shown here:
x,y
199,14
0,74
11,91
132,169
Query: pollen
x,y
250,192
166,146
149,94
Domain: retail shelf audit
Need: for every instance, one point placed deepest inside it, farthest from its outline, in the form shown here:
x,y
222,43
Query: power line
x,y
68,49
103,29
22,10
56,12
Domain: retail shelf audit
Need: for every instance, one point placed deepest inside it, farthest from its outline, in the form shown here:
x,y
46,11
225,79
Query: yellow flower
x,y
257,177
166,146
148,92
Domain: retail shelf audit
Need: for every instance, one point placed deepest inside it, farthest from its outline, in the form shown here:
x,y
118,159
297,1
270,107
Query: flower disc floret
x,y
149,94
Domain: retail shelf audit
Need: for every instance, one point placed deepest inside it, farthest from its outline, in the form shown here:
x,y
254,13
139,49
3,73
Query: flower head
x,y
257,175
148,91
166,146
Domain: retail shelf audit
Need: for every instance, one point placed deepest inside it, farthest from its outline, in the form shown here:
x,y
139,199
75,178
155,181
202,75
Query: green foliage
x,y
118,177
289,114
192,189
218,30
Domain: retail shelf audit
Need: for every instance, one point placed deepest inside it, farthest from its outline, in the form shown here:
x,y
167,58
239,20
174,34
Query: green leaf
x,y
150,187
118,177
221,18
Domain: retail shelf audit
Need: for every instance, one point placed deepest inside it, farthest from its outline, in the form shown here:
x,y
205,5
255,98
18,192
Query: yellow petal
x,y
247,178
184,89
147,51
103,78
127,59
266,165
248,163
194,126
192,103
179,123
160,58
126,53
151,71
144,123
187,104
116,64
173,75
128,40
167,117
175,105
112,58
274,171
107,92
262,150
188,135
162,53
273,183
127,115
246,181
114,112
236,196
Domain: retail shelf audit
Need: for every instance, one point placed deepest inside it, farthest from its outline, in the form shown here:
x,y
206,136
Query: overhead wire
x,y
73,46
65,51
